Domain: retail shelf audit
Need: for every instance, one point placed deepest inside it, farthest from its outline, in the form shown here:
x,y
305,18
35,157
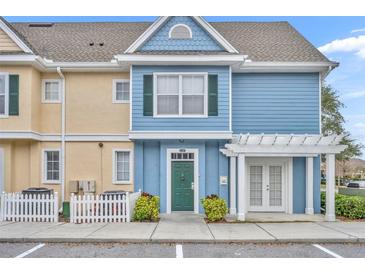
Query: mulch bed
x,y
348,220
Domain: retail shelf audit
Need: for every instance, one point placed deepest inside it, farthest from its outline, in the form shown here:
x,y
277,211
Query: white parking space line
x,y
333,254
179,251
26,253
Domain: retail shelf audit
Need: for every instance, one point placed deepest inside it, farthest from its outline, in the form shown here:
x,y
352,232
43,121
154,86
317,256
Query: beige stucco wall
x,y
89,110
50,113
87,161
84,161
6,43
23,120
89,107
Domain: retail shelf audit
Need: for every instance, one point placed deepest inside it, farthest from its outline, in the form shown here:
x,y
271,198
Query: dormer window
x,y
180,31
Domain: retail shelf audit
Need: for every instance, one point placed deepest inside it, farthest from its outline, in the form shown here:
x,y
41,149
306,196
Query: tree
x,y
334,123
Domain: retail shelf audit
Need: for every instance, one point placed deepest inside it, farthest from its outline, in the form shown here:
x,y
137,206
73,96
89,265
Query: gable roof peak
x,y
198,19
15,36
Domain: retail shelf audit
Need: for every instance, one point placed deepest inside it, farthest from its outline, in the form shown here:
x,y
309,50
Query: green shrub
x,y
215,208
147,208
352,207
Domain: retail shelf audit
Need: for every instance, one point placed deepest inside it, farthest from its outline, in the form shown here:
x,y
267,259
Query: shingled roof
x,y
70,42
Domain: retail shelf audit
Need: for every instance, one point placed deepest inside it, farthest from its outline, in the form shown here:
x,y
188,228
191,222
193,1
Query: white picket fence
x,y
17,207
99,208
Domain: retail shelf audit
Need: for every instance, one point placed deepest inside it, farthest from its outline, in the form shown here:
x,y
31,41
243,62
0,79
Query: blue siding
x,y
151,162
275,103
212,123
211,168
299,184
201,40
223,171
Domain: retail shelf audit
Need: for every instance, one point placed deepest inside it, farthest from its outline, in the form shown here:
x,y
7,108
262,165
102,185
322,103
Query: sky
x,y
341,39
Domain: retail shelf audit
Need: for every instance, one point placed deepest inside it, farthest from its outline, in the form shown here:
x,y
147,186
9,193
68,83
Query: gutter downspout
x,y
63,124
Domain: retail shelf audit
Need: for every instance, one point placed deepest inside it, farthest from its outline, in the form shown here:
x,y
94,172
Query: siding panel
x,y
275,103
149,123
201,40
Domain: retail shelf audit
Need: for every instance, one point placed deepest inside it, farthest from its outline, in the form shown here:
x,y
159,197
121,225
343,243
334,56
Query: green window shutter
x,y
13,94
212,95
148,95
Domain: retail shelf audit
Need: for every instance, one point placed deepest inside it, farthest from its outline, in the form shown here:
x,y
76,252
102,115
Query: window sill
x,y
122,183
51,182
51,102
4,116
181,116
121,102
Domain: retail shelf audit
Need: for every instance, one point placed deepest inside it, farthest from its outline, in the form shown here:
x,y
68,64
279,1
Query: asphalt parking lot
x,y
156,250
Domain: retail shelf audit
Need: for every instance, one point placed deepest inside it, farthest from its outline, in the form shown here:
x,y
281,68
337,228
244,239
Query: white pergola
x,y
281,145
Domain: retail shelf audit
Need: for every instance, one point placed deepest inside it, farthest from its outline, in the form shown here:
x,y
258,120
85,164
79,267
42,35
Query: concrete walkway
x,y
184,227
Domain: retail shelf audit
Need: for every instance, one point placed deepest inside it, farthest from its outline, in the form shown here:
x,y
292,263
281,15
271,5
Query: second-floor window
x,y
4,94
121,91
180,95
51,91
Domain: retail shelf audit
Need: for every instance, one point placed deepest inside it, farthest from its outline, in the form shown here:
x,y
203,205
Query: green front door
x,y
182,178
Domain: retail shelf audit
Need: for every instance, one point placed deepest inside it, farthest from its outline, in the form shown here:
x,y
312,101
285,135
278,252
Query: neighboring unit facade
x,y
179,108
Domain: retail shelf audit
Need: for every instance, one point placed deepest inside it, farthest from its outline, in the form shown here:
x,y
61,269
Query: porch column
x,y
309,186
241,188
232,185
330,188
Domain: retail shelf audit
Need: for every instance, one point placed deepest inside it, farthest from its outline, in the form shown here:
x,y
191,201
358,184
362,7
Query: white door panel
x,y
256,185
266,185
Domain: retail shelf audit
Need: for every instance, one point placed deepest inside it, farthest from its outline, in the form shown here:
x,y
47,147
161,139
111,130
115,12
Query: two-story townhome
x,y
179,108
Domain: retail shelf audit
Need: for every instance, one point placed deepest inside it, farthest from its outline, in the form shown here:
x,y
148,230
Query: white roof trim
x,y
141,39
14,37
256,144
251,66
159,22
142,59
180,135
215,34
56,137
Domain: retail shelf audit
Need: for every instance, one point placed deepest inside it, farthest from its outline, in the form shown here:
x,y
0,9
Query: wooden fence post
x,y
127,208
55,212
2,207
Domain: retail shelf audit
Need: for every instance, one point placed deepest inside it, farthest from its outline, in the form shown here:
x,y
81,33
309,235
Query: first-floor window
x,y
4,93
51,165
181,94
122,166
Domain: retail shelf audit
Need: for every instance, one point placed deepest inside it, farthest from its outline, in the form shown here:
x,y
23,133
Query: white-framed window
x,y
4,94
51,91
180,94
122,166
121,91
51,166
180,31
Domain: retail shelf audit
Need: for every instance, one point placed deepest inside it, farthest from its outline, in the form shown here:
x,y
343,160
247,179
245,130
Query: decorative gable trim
x,y
13,36
215,34
147,34
161,20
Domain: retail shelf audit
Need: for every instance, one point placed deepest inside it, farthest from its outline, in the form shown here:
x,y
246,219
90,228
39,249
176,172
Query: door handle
x,y
192,185
267,187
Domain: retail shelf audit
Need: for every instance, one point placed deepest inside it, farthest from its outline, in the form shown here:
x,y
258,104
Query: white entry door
x,y
266,186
